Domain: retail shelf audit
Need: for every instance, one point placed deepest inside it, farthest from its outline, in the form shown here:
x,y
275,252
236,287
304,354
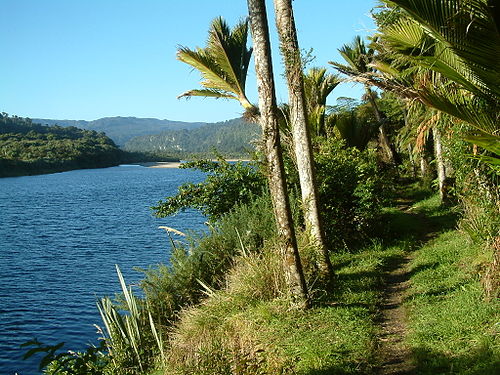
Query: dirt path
x,y
394,357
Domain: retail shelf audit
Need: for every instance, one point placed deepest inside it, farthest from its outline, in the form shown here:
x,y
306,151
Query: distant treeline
x,y
27,148
233,138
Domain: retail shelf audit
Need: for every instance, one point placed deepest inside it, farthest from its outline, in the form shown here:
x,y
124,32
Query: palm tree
x,y
351,127
358,58
318,84
223,63
458,42
299,123
269,122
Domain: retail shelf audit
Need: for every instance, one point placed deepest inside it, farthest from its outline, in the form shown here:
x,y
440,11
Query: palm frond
x,y
206,65
223,63
469,28
230,51
209,93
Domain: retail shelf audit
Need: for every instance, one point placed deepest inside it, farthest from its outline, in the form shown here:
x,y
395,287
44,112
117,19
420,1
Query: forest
x,y
27,148
363,238
232,138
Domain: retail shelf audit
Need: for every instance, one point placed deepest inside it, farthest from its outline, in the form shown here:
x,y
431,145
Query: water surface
x,y
60,238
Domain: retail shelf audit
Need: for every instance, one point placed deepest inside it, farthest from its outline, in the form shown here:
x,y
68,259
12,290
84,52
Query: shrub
x,y
226,185
351,188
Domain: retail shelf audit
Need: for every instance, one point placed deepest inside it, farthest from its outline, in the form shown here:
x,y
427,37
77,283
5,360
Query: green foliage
x,y
27,148
223,63
353,127
440,52
225,186
123,129
207,259
93,361
453,330
130,337
249,328
195,268
476,187
351,190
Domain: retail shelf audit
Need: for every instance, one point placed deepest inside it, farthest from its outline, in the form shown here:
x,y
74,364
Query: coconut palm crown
x,y
223,63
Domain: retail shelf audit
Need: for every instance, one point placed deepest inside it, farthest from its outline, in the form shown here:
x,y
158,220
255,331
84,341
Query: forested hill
x,y
29,148
231,138
122,129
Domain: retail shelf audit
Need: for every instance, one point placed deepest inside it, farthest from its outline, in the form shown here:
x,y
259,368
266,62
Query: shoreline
x,y
160,164
174,164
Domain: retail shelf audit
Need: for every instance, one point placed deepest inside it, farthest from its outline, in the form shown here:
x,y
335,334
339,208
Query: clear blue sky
x,y
86,59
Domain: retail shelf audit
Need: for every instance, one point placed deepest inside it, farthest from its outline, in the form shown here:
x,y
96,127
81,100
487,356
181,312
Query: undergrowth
x,y
249,327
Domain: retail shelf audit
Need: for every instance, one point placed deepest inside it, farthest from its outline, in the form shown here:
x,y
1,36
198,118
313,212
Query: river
x,y
60,238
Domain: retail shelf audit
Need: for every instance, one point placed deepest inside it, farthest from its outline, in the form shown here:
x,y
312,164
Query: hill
x,y
27,148
230,138
122,129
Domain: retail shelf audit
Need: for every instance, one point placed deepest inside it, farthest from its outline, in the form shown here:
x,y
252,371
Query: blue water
x,y
60,238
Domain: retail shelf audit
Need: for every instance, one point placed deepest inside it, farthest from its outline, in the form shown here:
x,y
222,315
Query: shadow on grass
x,y
431,363
481,362
416,225
340,371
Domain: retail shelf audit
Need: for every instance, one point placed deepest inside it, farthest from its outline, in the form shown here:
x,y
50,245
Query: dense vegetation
x,y
407,175
27,148
232,138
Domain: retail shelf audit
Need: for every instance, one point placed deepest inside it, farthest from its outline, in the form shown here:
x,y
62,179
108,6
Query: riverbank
x,y
161,164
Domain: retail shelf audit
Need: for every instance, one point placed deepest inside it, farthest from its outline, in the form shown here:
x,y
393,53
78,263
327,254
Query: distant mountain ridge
x,y
122,129
231,138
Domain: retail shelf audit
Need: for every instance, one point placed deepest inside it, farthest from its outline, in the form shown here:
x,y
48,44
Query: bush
x,y
351,188
226,185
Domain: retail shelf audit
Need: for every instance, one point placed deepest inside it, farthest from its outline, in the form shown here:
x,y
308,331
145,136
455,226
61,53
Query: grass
x,y
222,305
452,328
248,326
235,331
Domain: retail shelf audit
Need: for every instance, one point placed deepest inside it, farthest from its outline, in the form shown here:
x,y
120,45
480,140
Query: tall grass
x,y
248,327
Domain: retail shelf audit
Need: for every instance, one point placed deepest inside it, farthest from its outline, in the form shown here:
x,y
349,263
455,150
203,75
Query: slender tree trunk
x,y
425,168
441,170
411,156
301,137
276,174
412,161
382,134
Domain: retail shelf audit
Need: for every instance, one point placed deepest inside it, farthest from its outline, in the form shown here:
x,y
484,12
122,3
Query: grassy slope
x,y
452,328
248,327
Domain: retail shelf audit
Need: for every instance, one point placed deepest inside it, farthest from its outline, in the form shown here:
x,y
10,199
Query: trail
x,y
394,356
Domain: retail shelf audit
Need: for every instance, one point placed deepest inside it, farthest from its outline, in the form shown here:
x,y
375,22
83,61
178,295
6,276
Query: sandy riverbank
x,y
161,164
175,164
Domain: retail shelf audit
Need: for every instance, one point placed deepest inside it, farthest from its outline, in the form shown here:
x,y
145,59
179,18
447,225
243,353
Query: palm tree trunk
x,y
425,168
412,161
301,138
382,134
441,170
276,174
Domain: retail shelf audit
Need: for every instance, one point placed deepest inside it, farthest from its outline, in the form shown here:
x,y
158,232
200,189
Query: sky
x,y
87,59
